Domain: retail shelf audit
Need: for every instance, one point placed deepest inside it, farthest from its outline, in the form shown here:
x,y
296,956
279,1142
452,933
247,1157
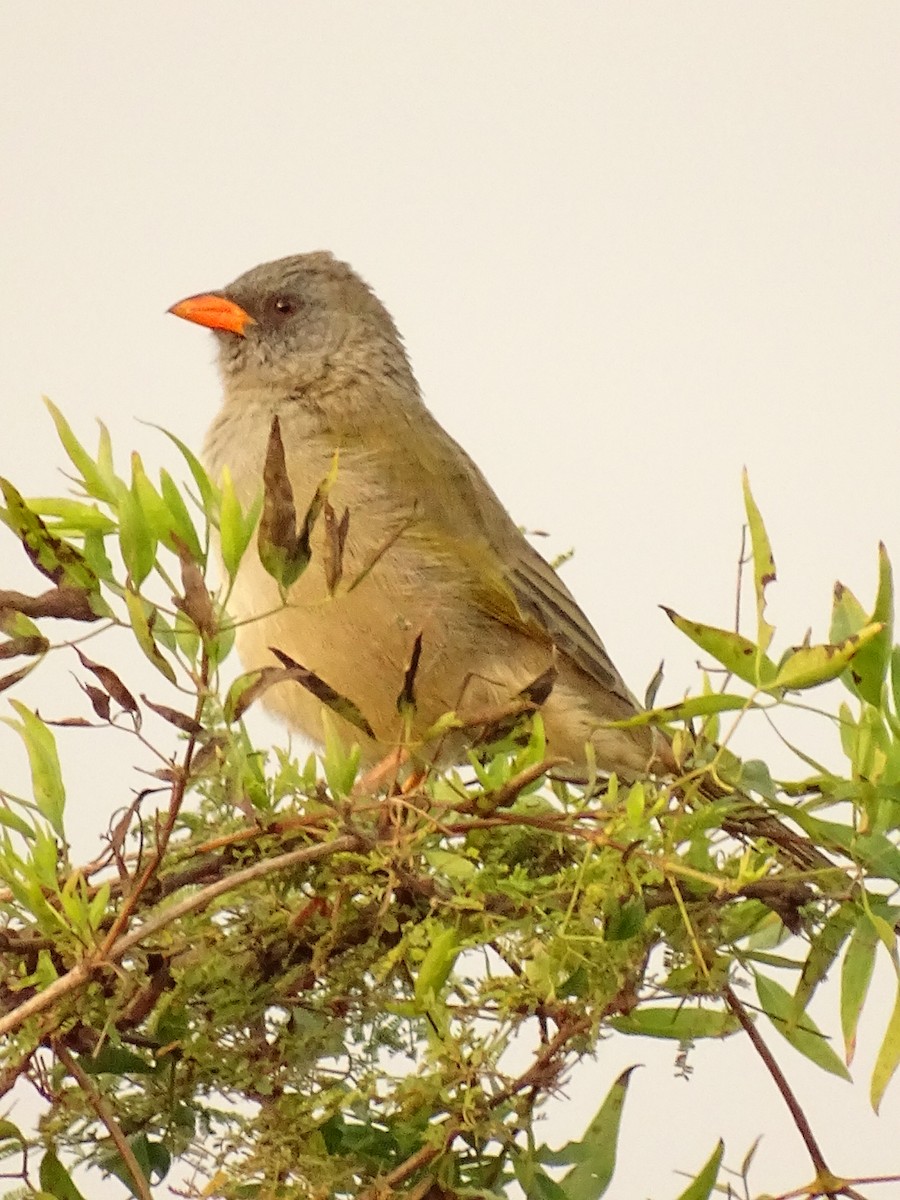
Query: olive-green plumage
x,y
305,339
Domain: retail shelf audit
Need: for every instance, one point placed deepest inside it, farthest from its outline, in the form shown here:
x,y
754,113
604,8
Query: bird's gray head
x,y
287,323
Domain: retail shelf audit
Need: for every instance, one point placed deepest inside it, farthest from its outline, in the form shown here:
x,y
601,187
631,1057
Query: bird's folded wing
x,y
543,596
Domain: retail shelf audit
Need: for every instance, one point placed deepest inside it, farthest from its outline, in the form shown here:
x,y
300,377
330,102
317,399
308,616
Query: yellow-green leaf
x,y
735,652
142,617
763,565
810,666
888,1057
701,1187
802,1034
46,776
856,975
681,1023
96,481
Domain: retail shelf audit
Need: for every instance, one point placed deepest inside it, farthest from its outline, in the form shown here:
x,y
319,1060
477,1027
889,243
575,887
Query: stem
x,y
105,1113
82,971
781,1082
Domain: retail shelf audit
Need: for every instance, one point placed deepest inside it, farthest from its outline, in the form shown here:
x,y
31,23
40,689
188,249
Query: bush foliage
x,y
283,978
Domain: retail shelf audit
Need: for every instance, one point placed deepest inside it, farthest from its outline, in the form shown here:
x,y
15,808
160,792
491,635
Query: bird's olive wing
x,y
542,595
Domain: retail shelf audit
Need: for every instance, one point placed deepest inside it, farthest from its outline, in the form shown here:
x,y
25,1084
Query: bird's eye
x,y
285,306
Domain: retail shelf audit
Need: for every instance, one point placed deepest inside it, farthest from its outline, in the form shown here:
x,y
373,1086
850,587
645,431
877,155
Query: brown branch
x,y
534,1076
780,1080
106,1115
82,971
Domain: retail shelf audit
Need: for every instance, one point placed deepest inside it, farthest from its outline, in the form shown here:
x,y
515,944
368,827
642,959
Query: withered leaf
x,y
335,540
406,701
66,603
322,691
196,603
277,535
29,645
99,700
179,719
111,682
14,677
207,755
538,691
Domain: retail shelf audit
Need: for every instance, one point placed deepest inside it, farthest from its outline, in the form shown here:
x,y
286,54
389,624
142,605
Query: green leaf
x,y
809,666
115,1060
56,1180
595,1154
802,1034
683,1024
867,674
143,615
136,539
182,524
533,1181
888,1057
97,482
235,527
71,516
156,513
10,1132
736,653
823,951
702,1186
46,776
435,967
340,762
696,706
151,1157
856,975
208,492
763,566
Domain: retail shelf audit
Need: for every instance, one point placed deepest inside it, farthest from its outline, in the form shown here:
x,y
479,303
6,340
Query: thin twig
x,y
781,1082
534,1076
106,1115
82,971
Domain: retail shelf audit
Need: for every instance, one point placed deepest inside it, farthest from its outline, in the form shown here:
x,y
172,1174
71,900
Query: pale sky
x,y
631,249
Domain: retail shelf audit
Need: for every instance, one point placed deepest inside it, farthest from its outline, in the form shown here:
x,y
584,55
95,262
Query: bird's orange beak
x,y
215,312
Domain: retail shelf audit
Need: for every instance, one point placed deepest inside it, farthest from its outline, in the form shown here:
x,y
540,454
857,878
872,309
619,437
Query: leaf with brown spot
x,y
735,652
303,549
143,618
51,555
809,666
763,566
244,690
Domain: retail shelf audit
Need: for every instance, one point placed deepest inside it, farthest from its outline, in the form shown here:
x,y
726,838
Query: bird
x,y
433,568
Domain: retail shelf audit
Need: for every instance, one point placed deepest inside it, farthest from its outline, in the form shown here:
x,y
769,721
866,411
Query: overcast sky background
x,y
631,249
